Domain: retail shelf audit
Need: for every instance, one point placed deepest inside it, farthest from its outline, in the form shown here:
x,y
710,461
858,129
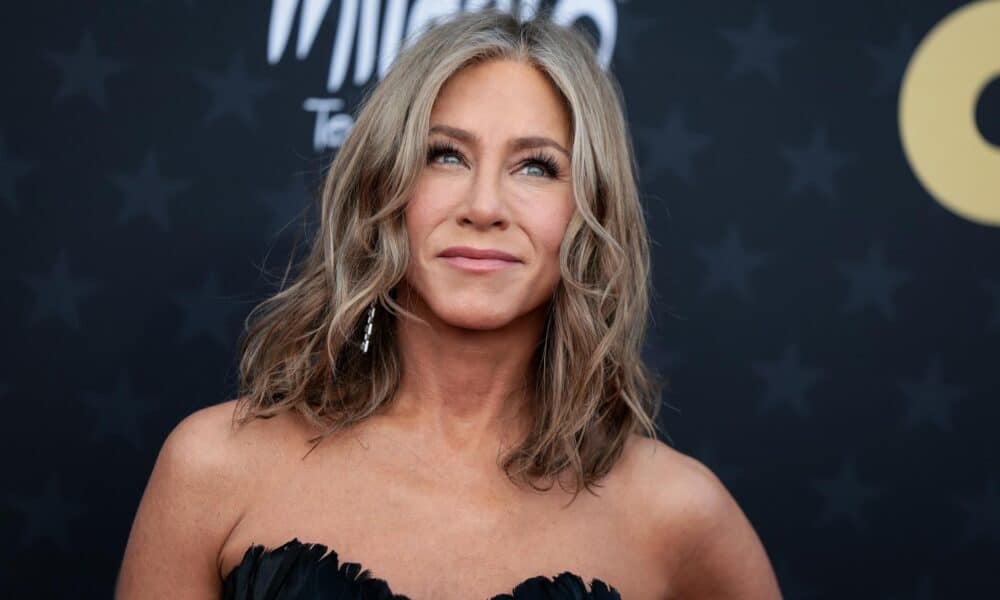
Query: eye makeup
x,y
549,164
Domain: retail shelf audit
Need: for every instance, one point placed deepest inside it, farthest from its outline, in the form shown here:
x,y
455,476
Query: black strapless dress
x,y
299,571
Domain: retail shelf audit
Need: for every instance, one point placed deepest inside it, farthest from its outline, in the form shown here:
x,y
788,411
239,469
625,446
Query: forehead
x,y
503,97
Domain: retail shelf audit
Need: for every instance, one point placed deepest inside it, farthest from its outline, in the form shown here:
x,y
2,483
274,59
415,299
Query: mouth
x,y
479,264
478,260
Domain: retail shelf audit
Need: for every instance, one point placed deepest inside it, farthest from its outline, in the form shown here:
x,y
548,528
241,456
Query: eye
x,y
548,166
544,165
443,149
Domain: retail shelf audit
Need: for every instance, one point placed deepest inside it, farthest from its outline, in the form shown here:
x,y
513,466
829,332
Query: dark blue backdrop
x,y
830,331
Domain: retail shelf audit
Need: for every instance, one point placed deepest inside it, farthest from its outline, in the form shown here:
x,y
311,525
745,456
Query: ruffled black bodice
x,y
300,571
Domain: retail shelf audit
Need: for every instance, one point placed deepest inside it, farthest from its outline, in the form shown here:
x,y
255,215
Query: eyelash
x,y
548,163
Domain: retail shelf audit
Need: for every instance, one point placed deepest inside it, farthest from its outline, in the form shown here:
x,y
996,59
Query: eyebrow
x,y
521,143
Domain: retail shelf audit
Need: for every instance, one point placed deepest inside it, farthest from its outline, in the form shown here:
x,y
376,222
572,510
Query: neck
x,y
464,393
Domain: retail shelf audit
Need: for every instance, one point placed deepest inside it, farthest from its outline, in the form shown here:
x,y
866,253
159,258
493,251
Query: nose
x,y
484,206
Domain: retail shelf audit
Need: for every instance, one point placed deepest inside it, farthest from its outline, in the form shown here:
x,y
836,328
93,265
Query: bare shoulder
x,y
205,446
212,433
674,487
194,496
230,459
715,551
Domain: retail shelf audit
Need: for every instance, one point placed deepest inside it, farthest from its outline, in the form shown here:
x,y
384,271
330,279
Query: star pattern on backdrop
x,y
206,311
85,72
757,47
982,513
149,152
930,399
146,192
58,293
814,164
786,381
872,282
729,264
46,516
234,91
891,61
845,496
119,413
11,170
673,146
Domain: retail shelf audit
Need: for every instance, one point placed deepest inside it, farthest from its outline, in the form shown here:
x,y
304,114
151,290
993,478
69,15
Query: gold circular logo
x,y
937,102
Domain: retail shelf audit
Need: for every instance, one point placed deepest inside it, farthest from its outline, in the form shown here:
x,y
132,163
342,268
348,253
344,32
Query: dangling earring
x,y
368,329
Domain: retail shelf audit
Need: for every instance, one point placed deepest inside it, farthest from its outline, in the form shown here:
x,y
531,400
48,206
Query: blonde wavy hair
x,y
300,349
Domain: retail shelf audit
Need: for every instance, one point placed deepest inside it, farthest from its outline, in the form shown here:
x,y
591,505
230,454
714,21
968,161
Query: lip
x,y
470,252
478,260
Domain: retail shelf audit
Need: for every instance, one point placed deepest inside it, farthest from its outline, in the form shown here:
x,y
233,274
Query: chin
x,y
481,317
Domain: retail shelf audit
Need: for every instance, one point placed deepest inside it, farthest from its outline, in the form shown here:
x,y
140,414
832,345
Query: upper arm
x,y
722,556
189,505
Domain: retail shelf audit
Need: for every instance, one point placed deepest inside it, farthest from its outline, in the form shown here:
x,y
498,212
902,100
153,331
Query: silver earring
x,y
368,329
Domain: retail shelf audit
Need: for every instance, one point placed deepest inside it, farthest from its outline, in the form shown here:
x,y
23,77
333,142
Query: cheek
x,y
420,215
551,228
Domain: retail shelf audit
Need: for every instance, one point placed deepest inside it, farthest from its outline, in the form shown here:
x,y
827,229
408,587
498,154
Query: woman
x,y
464,335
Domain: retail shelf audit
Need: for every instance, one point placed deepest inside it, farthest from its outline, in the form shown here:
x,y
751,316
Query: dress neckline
x,y
314,555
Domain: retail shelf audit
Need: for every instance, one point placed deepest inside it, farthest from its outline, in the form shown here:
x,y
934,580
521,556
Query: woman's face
x,y
497,177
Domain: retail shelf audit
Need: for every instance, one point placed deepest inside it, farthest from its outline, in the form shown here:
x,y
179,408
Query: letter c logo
x,y
937,103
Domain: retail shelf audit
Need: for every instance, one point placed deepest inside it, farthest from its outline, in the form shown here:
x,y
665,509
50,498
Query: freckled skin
x,y
490,196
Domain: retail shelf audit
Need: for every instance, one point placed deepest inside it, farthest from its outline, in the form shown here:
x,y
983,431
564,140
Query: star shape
x,y
671,145
58,293
930,399
119,412
757,47
814,164
145,192
872,282
993,288
729,264
205,311
234,91
11,170
845,495
85,72
982,512
786,381
46,516
891,61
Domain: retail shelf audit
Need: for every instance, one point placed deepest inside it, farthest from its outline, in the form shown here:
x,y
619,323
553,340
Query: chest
x,y
453,553
429,538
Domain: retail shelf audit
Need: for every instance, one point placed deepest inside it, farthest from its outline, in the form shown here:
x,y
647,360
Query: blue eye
x,y
548,165
443,149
